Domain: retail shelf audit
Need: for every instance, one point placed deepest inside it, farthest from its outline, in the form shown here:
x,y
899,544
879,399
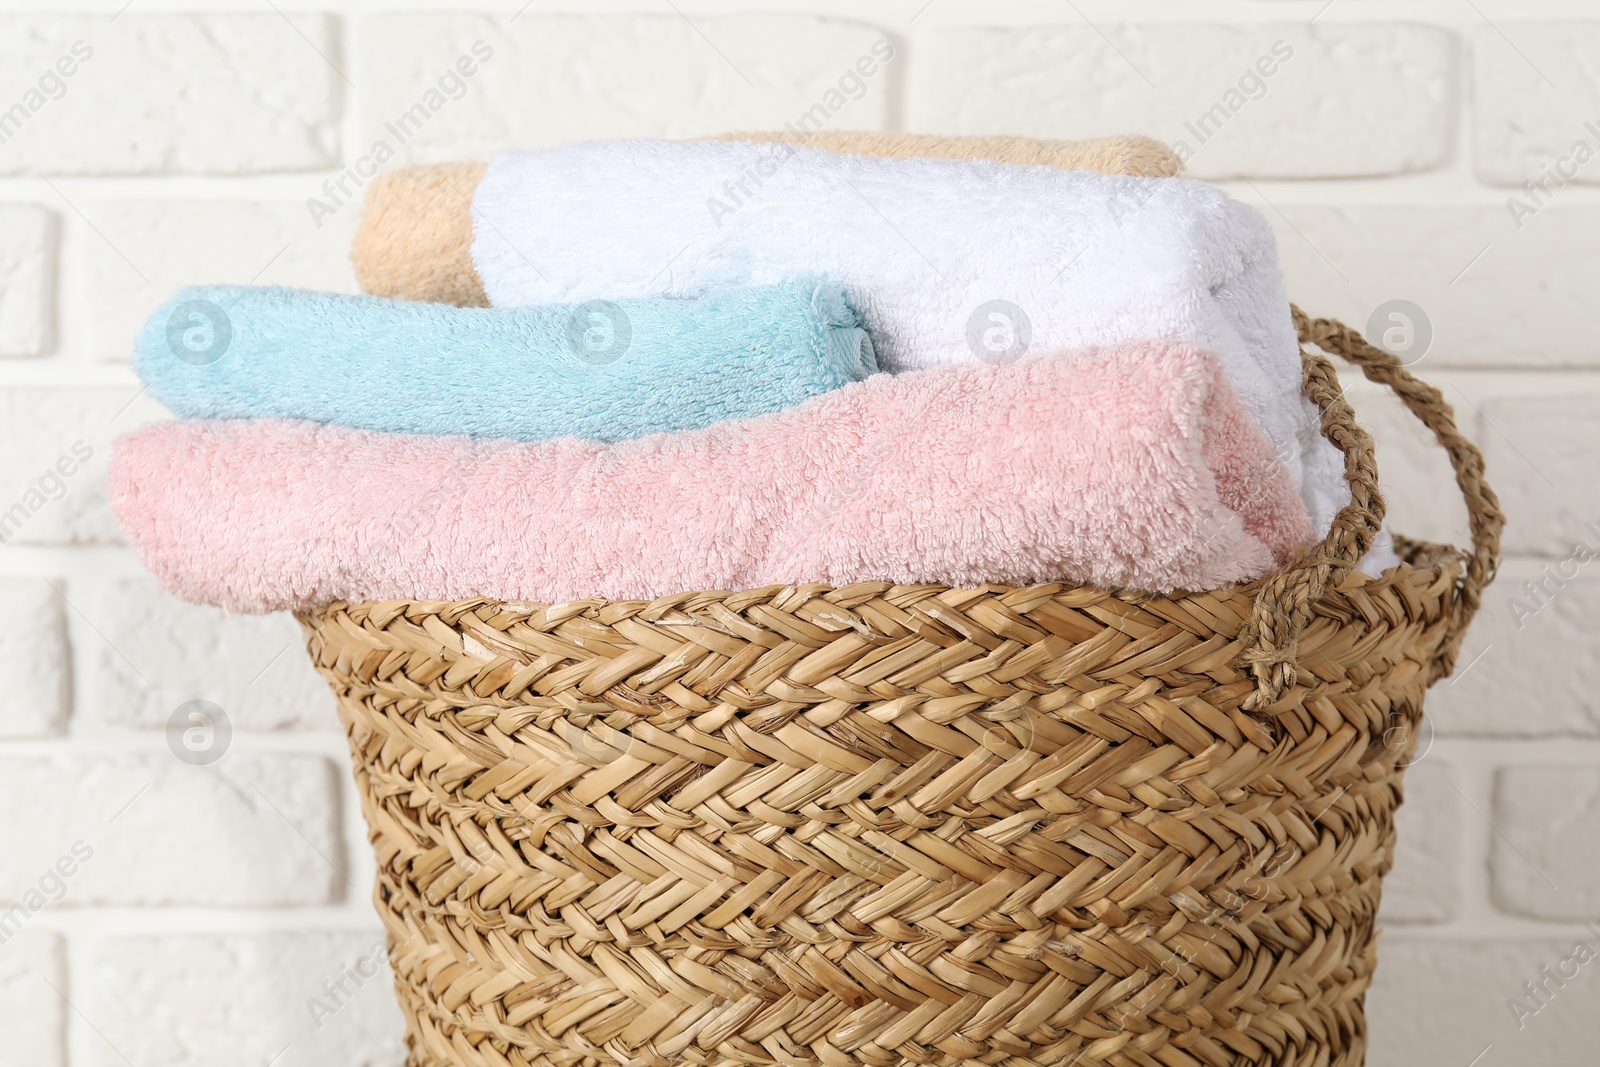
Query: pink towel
x,y
1130,468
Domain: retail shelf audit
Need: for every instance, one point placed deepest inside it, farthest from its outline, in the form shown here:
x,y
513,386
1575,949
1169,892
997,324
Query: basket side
x,y
881,824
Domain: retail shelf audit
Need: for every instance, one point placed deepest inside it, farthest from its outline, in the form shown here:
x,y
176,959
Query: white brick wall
x,y
35,660
1533,106
553,78
151,247
25,279
252,830
177,1001
1544,864
1423,887
1546,446
1389,150
170,94
1549,639
32,1012
159,652
1442,1003
53,459
1326,101
1458,262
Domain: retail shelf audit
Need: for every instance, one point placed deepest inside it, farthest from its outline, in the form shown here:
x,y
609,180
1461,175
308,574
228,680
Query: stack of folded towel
x,y
737,363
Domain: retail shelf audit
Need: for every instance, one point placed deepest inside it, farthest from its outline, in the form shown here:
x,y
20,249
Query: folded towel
x,y
605,370
1129,154
1150,476
414,237
947,261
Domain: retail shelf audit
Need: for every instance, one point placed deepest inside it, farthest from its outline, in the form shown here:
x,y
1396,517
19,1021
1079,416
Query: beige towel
x,y
1129,154
414,239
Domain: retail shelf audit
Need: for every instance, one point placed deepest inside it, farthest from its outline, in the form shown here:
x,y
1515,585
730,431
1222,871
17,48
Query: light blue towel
x,y
607,370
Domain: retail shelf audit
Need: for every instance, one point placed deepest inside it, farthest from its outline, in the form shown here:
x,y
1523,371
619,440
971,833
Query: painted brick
x,y
1543,863
27,279
1425,884
168,94
1496,296
50,493
159,652
1342,99
1527,668
553,78
243,1000
35,662
246,831
1536,92
153,247
1444,1003
32,1014
1540,456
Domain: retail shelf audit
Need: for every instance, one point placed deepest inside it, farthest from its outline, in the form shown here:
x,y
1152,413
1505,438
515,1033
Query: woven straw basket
x,y
884,825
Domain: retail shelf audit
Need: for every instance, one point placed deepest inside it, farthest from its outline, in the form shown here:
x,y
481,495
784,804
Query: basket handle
x,y
1283,607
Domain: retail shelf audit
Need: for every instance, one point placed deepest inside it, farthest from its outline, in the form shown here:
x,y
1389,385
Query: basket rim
x,y
1283,600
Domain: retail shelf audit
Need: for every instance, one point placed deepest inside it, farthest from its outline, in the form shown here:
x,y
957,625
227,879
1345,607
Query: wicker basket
x,y
907,825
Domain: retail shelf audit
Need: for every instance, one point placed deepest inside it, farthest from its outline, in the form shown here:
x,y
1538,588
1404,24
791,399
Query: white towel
x,y
937,255
1381,556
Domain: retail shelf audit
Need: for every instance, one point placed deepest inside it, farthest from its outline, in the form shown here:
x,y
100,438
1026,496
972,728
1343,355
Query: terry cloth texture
x,y
414,237
947,261
605,370
1130,468
1131,154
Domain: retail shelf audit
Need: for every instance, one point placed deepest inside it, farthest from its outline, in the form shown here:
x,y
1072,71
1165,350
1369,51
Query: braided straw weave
x,y
884,825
